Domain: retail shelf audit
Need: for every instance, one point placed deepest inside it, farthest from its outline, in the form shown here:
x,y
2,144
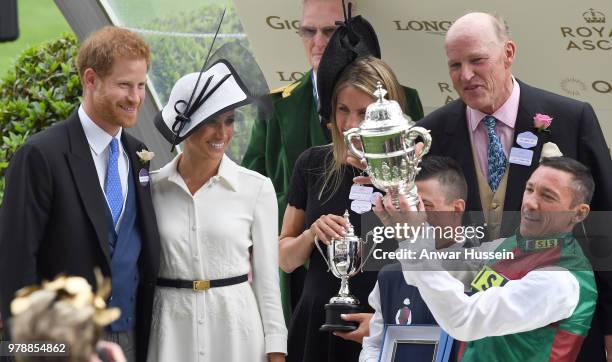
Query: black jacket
x,y
53,218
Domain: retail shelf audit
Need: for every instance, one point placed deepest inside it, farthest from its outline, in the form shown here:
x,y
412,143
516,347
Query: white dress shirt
x,y
541,297
99,145
463,272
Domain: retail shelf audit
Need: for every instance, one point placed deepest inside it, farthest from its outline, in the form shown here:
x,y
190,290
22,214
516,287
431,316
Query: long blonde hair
x,y
363,74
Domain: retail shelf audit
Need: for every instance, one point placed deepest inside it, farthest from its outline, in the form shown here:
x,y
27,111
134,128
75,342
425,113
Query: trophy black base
x,y
333,321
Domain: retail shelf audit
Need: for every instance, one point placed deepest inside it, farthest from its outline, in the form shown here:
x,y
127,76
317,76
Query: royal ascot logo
x,y
447,92
433,27
594,17
593,35
573,87
278,23
603,87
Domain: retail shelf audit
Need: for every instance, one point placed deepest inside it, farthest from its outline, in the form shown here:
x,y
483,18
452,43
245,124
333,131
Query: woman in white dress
x,y
217,222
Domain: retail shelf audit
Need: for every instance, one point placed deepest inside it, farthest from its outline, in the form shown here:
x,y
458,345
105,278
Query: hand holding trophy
x,y
388,138
344,259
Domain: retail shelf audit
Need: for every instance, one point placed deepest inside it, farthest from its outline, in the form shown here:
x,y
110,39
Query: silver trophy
x,y
344,259
388,137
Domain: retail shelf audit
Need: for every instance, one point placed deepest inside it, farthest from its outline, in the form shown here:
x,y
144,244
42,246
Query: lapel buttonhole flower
x,y
542,121
145,155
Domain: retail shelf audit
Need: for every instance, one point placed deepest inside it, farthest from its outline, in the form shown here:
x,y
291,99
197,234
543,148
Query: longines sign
x,y
436,27
289,76
576,87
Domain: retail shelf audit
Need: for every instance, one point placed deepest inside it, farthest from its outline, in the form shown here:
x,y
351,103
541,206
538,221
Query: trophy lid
x,y
384,115
349,236
350,230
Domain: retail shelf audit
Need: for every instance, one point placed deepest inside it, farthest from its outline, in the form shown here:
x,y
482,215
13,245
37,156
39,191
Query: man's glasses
x,y
309,32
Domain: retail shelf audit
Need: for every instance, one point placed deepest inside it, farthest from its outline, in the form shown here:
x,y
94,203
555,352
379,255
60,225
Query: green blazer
x,y
294,126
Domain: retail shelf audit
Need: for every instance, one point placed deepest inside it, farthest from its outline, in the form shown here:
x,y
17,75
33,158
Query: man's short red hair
x,y
102,47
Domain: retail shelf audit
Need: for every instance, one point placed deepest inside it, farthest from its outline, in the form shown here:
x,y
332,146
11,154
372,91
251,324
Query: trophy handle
x,y
316,242
364,260
348,138
412,134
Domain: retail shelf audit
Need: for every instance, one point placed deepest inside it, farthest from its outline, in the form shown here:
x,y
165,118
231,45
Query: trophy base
x,y
333,321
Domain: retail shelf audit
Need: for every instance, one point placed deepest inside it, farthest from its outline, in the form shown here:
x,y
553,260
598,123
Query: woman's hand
x,y
296,244
329,227
276,357
363,329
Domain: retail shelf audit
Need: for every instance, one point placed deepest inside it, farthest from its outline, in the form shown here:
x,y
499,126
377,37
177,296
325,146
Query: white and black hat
x,y
197,98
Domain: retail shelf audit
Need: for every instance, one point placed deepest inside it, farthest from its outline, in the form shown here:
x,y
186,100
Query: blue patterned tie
x,y
112,183
495,156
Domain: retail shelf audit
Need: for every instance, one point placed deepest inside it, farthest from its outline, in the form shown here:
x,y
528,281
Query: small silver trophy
x,y
388,139
344,259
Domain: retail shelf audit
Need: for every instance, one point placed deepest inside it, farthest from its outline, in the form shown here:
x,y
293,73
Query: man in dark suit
x,y
501,127
77,194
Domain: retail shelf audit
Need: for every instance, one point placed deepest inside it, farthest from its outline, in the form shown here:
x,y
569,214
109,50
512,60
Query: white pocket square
x,y
550,149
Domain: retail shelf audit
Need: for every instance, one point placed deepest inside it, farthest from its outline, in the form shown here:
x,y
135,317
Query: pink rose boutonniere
x,y
542,121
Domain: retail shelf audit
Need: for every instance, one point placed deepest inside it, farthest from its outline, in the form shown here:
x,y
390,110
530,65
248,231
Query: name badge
x,y
521,156
375,196
488,278
143,176
534,245
527,139
360,206
361,193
